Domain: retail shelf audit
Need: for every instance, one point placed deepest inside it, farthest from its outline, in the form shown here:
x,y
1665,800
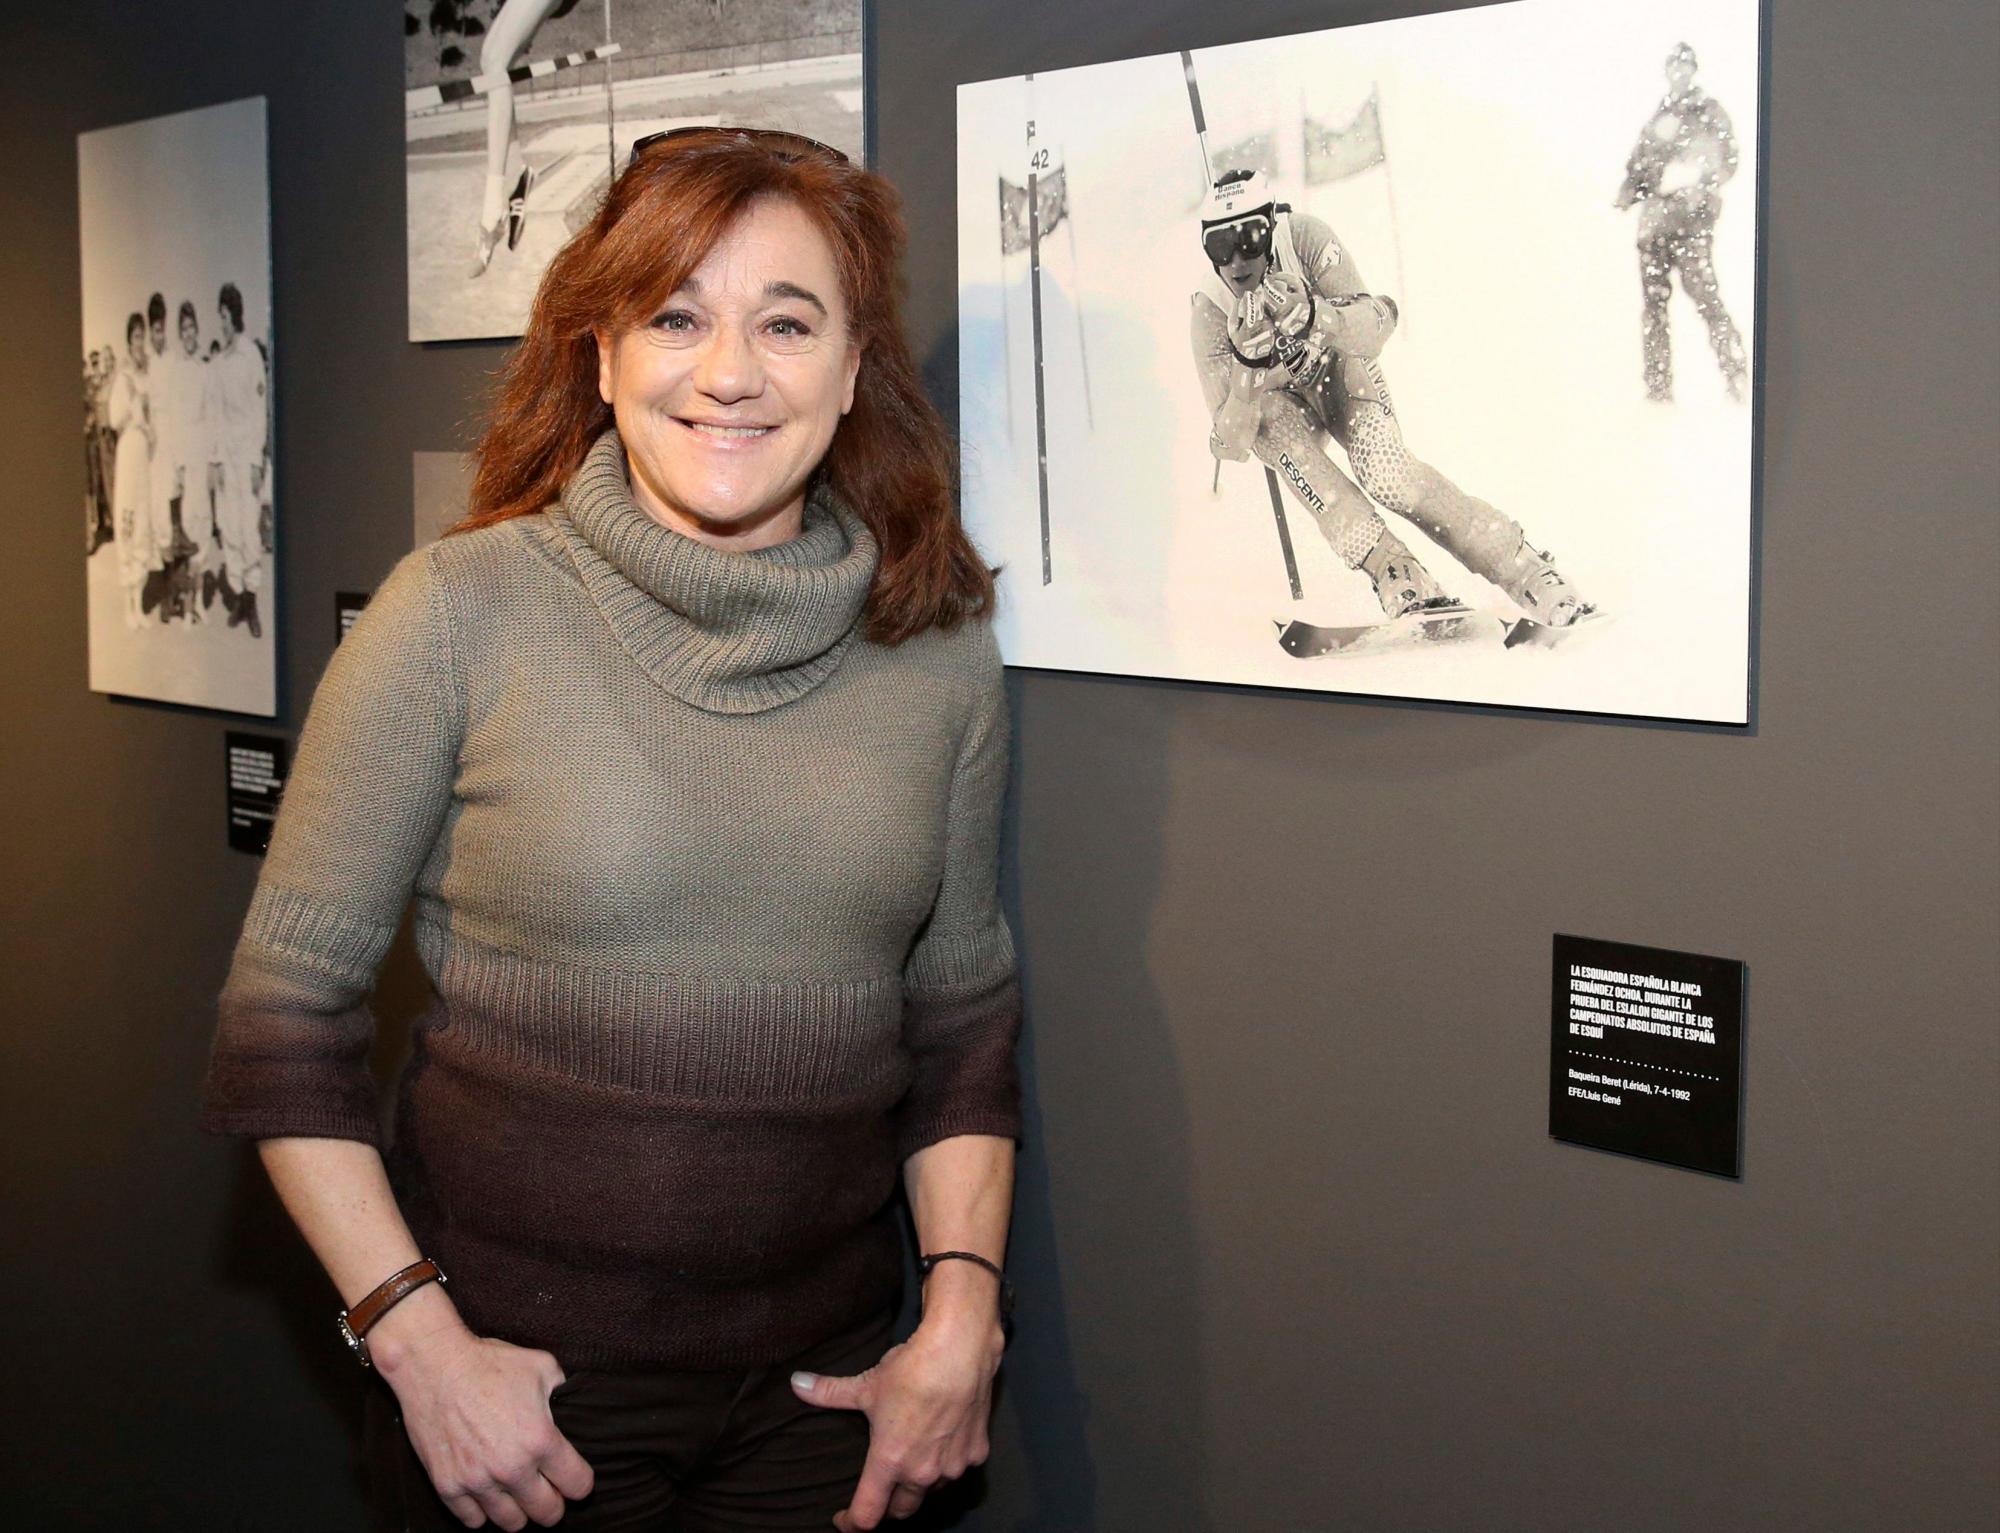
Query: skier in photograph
x,y
130,416
1287,344
237,452
1685,153
500,212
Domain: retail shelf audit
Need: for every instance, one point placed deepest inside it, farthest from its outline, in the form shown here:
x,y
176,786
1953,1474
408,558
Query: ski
x,y
1531,634
1433,625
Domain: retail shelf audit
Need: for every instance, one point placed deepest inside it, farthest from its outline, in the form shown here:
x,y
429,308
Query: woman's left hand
x,y
927,1403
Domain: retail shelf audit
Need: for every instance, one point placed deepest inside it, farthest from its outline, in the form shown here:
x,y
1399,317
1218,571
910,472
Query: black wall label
x,y
255,778
347,606
1646,1053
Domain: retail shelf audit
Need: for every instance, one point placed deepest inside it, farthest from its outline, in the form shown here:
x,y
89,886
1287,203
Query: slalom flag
x,y
1051,191
1257,152
1334,154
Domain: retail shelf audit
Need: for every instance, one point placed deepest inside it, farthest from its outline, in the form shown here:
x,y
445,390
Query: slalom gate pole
x,y
1395,223
1270,478
1075,299
1200,122
610,133
1035,308
1006,318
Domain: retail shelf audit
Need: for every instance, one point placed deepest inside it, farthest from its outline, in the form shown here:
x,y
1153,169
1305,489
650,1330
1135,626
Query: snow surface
x,y
1516,371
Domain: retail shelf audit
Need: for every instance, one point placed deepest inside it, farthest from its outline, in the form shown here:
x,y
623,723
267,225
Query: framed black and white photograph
x,y
1411,359
517,113
179,511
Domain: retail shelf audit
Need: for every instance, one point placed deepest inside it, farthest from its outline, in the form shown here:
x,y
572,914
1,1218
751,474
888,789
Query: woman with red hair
x,y
689,743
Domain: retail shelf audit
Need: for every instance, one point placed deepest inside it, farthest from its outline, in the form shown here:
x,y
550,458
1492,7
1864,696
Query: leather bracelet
x,y
926,1263
356,1322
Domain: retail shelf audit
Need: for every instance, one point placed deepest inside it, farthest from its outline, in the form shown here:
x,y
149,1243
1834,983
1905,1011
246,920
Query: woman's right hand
x,y
477,1411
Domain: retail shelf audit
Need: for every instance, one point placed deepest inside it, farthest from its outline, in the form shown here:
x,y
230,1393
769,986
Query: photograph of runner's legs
x,y
517,113
513,24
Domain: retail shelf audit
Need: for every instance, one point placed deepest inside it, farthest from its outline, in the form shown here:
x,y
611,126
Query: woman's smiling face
x,y
728,397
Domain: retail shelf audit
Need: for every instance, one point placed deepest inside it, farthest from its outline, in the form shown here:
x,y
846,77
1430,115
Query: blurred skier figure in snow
x,y
1685,152
1287,343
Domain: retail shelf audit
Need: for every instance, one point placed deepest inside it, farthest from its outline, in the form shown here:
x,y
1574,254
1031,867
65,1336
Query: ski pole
x,y
1270,478
1035,315
610,112
1284,535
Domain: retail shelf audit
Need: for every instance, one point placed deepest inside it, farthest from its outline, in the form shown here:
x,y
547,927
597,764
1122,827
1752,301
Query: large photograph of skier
x,y
178,505
518,112
1346,361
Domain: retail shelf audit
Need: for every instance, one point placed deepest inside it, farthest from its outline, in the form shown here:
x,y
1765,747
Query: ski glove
x,y
1355,324
1288,301
1252,336
1283,325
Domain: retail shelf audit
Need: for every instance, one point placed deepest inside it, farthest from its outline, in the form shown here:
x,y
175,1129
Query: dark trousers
x,y
687,1452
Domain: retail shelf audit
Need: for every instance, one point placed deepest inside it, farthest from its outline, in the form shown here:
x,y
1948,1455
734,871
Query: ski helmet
x,y
1237,216
1681,68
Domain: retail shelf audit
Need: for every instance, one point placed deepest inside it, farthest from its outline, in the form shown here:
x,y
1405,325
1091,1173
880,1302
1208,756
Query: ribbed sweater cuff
x,y
278,1071
291,1045
280,1121
999,1120
961,1040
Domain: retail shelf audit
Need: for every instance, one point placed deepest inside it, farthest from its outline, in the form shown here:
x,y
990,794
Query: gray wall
x,y
1294,1247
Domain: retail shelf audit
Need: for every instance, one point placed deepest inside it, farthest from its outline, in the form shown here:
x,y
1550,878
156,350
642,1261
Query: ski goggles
x,y
775,138
1249,236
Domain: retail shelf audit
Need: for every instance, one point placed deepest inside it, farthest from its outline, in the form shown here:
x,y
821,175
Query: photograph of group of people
x,y
179,525
177,463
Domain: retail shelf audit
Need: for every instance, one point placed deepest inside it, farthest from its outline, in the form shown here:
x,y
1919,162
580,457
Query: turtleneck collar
x,y
725,632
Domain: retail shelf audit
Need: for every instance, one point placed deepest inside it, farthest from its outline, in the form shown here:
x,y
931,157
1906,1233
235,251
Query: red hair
x,y
891,459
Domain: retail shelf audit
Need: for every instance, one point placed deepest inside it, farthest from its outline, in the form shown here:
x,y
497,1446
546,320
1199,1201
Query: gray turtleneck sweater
x,y
704,882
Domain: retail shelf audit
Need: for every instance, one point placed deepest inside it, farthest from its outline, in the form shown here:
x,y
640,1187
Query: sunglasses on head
x,y
776,138
1246,237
